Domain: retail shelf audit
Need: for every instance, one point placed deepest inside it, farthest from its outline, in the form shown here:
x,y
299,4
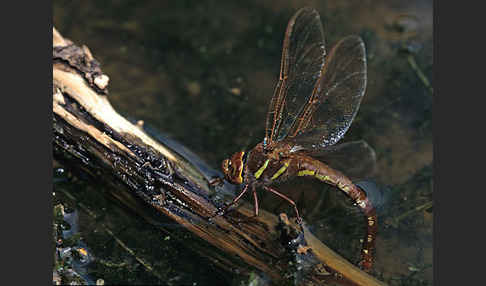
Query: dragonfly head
x,y
233,168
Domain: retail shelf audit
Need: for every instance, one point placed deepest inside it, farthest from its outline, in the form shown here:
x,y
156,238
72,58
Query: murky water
x,y
203,72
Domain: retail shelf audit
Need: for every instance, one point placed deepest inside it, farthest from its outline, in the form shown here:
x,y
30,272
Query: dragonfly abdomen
x,y
322,172
314,168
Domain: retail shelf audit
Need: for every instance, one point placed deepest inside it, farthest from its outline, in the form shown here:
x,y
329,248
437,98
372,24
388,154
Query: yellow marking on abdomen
x,y
259,172
281,170
306,173
318,176
343,187
323,178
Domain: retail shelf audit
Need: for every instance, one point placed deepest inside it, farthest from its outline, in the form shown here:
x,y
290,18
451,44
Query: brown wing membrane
x,y
302,61
356,159
336,97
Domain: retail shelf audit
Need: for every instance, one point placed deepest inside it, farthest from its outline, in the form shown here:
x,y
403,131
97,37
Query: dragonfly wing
x,y
302,62
336,97
355,159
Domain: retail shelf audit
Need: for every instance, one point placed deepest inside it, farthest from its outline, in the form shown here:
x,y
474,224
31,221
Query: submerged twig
x,y
396,220
420,73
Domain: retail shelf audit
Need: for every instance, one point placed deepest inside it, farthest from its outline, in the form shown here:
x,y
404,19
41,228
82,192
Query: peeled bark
x,y
90,135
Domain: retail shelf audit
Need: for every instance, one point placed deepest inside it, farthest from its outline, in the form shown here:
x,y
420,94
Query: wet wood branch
x,y
90,135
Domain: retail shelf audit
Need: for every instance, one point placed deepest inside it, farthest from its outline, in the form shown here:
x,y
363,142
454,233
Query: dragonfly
x,y
314,103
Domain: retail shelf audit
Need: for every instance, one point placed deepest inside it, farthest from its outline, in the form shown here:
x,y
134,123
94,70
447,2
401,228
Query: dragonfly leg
x,y
236,199
299,220
255,198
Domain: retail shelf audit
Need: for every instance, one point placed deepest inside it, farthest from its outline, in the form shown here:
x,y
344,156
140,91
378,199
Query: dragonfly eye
x,y
226,167
233,168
